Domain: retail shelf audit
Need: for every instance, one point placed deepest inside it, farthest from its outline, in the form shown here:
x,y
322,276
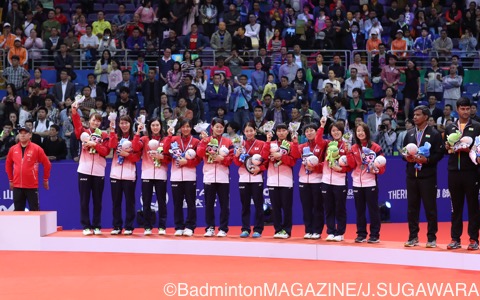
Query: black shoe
x,y
360,239
373,240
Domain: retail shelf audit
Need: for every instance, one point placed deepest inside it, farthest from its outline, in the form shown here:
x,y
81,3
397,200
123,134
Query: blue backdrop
x,y
63,195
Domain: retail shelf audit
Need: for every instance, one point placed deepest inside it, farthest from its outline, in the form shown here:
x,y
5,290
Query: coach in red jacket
x,y
22,170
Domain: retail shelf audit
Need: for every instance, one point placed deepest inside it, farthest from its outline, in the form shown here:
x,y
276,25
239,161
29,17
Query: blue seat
x,y
472,87
97,6
110,8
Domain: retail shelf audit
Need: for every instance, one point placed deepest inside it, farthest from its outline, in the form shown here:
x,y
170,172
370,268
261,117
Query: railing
x,y
469,59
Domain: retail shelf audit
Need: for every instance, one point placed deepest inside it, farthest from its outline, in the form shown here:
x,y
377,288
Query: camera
x,y
382,127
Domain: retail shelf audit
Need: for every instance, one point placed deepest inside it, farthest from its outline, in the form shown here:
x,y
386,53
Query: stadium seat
x,y
97,6
110,8
472,88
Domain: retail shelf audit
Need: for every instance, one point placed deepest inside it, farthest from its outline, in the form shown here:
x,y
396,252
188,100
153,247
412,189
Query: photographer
x,y
386,137
468,43
108,42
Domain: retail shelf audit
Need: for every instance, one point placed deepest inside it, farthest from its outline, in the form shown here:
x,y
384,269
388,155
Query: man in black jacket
x,y
422,177
54,146
463,176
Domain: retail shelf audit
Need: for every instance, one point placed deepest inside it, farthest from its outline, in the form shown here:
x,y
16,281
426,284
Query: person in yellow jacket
x,y
101,24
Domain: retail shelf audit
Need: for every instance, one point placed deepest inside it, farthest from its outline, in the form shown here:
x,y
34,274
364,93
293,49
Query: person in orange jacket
x,y
22,170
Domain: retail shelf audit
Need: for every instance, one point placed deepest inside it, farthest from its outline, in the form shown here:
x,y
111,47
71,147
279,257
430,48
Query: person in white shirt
x,y
252,30
353,82
42,125
89,44
337,88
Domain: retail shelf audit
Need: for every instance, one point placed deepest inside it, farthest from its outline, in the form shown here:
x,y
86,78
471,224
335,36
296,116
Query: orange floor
x,y
47,275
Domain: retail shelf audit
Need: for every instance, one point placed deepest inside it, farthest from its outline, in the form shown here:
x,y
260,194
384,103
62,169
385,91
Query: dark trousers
x,y
120,188
211,192
21,196
282,201
89,185
335,199
147,195
464,185
367,197
184,190
422,190
312,204
249,191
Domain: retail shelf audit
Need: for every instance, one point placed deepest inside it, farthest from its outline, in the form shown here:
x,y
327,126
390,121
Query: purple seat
x,y
110,8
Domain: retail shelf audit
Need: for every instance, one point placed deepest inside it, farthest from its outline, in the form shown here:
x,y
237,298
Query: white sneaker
x,y
178,232
147,232
221,233
338,238
330,238
307,236
161,231
128,232
116,232
87,231
210,232
97,231
315,236
188,232
281,235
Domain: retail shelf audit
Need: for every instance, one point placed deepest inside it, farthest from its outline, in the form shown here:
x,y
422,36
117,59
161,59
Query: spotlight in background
x,y
385,212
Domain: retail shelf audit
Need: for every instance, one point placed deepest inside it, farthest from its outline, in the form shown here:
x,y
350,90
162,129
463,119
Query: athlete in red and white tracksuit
x,y
334,184
365,189
123,176
216,176
280,181
91,170
310,181
251,185
153,176
183,178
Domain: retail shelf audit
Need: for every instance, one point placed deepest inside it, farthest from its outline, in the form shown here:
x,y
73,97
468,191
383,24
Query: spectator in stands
x,y
96,90
242,95
435,21
182,112
7,39
81,27
36,139
108,42
423,44
376,27
468,43
446,117
177,13
399,25
220,68
319,73
121,19
61,18
146,13
393,13
103,67
390,101
362,70
356,108
53,145
40,16
75,17
289,68
128,83
16,75
390,74
195,41
386,137
34,44
221,40
200,81
412,86
399,45
20,51
235,63
119,37
37,82
305,111
99,26
276,43
453,17
473,112
126,106
252,30
259,121
14,16
53,42
165,64
135,43
158,112
89,103
172,43
451,86
7,139
29,24
208,16
188,65
151,90
299,58
375,120
216,95
114,77
258,79
401,135
287,94
53,113
63,61
11,102
231,19
49,24
167,116
435,112
443,46
139,70
300,85
267,103
277,113
336,85
354,39
456,61
352,83
174,81
42,125
241,42
195,103
63,90
89,44
338,69
433,86
135,23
